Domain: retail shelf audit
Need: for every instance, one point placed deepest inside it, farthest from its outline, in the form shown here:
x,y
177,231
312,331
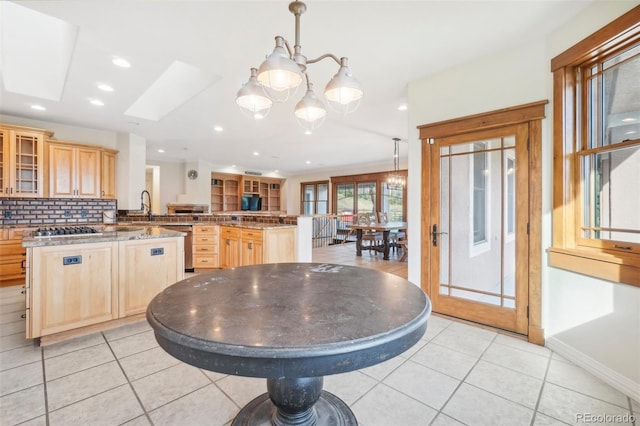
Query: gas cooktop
x,y
66,231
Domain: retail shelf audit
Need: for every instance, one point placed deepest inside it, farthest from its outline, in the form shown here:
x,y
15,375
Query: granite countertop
x,y
255,225
109,234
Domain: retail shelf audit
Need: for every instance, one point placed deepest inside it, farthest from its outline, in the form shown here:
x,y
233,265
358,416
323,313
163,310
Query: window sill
x,y
616,268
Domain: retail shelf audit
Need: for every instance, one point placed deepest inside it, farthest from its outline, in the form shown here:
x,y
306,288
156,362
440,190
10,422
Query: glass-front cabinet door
x,y
22,160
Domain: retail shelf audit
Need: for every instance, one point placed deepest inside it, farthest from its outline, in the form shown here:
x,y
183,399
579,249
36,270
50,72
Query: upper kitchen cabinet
x,y
225,194
74,171
80,171
22,161
108,178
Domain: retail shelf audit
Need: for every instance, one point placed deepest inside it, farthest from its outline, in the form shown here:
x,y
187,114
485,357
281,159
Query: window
x,y
367,193
393,202
315,198
596,225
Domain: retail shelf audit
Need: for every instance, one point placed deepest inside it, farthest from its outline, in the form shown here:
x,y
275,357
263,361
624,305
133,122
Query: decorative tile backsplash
x,y
52,211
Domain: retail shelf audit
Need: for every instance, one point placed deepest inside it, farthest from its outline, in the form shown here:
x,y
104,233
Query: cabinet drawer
x,y
205,239
229,232
206,261
205,249
205,230
252,234
12,250
12,269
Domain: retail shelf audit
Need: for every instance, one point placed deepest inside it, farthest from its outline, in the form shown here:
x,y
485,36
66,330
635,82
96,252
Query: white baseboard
x,y
604,373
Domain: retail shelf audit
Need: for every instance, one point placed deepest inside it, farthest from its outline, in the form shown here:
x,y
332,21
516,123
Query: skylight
x,y
36,51
179,83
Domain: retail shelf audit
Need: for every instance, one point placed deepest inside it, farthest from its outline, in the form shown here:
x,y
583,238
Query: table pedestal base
x,y
300,402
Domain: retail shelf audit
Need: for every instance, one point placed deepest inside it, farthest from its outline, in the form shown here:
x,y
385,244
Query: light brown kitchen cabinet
x,y
250,186
205,247
251,247
146,267
71,286
108,174
22,161
229,247
74,171
13,257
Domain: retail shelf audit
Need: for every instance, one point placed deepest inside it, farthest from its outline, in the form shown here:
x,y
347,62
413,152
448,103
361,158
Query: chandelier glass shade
x,y
395,180
310,111
282,72
252,100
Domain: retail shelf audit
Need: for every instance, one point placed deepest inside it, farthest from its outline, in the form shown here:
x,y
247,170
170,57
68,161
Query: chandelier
x,y
279,76
395,180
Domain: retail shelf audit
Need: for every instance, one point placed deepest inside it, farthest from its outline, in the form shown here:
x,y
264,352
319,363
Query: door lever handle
x,y
435,233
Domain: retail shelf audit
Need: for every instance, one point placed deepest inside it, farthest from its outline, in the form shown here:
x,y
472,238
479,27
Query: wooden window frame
x,y
315,190
380,178
566,252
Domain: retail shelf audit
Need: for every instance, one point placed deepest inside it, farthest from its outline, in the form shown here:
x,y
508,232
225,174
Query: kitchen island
x,y
75,283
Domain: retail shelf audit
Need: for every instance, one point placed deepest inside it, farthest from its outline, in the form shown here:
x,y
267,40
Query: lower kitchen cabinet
x,y
251,246
71,286
251,243
229,247
76,285
13,257
205,247
146,267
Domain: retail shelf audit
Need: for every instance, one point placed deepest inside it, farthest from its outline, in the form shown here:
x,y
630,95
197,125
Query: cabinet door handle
x,y
228,242
250,245
103,192
205,239
23,264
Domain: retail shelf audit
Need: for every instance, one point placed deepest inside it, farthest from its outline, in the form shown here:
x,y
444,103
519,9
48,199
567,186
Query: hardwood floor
x,y
345,254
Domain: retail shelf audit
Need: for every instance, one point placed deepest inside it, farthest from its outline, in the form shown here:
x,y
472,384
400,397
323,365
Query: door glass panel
x,y
477,221
366,197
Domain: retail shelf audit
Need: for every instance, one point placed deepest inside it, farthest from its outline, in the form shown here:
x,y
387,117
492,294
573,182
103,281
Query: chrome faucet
x,y
144,206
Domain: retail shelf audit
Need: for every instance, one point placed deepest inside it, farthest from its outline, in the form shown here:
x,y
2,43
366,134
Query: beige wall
x,y
592,322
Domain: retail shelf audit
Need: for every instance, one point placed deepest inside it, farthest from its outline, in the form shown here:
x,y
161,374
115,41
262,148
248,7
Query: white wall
x,y
67,133
293,182
593,322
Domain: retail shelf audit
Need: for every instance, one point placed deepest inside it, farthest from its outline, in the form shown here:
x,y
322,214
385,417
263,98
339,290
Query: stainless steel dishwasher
x,y
188,243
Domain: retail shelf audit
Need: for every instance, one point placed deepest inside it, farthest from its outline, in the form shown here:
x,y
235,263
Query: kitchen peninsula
x,y
97,279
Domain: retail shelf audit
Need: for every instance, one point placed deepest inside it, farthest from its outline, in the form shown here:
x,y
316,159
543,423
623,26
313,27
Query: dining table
x,y
292,324
385,228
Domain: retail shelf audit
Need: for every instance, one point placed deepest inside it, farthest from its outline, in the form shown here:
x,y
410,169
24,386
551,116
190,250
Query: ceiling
x,y
388,43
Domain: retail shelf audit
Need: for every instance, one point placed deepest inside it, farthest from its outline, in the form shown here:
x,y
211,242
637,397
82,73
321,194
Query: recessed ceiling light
x,y
628,120
403,107
104,87
630,132
121,62
307,162
276,171
38,107
96,102
218,128
258,116
233,165
256,153
307,132
161,150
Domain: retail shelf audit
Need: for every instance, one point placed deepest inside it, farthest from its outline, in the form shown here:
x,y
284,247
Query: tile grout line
x,y
463,381
144,410
44,383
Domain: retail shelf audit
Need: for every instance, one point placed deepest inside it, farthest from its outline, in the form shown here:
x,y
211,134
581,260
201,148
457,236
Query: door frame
x,y
531,114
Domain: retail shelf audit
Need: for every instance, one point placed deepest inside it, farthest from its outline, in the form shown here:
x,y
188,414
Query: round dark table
x,y
291,323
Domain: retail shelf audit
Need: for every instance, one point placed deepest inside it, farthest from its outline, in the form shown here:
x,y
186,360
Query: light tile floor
x,y
457,374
